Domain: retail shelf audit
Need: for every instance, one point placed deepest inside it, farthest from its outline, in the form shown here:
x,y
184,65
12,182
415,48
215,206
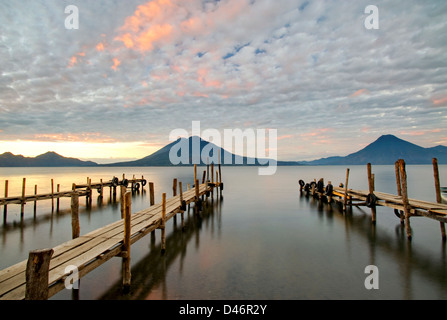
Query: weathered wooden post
x,y
438,193
174,187
89,191
220,175
5,207
123,190
22,209
163,223
345,202
35,201
37,274
371,192
101,192
75,215
58,189
197,198
212,180
207,169
195,172
114,189
52,195
126,241
399,189
403,175
151,193
182,207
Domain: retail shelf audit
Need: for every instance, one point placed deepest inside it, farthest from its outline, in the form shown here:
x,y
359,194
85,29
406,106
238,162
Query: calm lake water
x,y
262,240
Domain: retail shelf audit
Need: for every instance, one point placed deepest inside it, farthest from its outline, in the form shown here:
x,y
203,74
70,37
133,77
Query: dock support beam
x,y
399,189
37,274
151,193
438,194
126,243
163,223
403,175
346,191
371,191
75,230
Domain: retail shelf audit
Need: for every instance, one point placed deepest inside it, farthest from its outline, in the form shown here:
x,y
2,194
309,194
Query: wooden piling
x,y
22,209
126,241
345,201
371,192
438,194
123,190
52,195
37,274
399,189
220,178
195,172
151,193
174,187
89,191
101,192
75,230
35,201
207,169
163,223
5,207
181,205
196,186
58,189
403,175
212,180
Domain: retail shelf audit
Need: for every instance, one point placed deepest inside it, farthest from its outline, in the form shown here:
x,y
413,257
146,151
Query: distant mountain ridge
x,y
386,150
161,157
48,159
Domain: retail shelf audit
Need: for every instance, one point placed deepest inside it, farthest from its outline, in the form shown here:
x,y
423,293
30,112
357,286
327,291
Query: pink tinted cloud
x,y
439,101
360,93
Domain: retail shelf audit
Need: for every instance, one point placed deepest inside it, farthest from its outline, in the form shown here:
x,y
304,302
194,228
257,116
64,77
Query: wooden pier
x,y
403,206
46,271
82,190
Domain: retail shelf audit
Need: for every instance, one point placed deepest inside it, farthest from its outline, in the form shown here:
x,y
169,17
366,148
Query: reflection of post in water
x,y
150,272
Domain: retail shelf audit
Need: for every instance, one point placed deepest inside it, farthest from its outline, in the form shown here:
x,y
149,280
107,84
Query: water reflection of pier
x,y
434,270
150,272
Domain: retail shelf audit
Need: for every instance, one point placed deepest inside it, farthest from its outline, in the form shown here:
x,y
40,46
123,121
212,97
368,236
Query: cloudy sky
x,y
135,70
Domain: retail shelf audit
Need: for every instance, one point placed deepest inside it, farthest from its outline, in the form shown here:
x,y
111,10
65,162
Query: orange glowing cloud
x,y
73,61
116,63
147,26
100,46
359,93
286,136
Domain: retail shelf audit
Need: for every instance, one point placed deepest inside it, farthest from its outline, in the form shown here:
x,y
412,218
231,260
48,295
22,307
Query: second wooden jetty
x,y
404,207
